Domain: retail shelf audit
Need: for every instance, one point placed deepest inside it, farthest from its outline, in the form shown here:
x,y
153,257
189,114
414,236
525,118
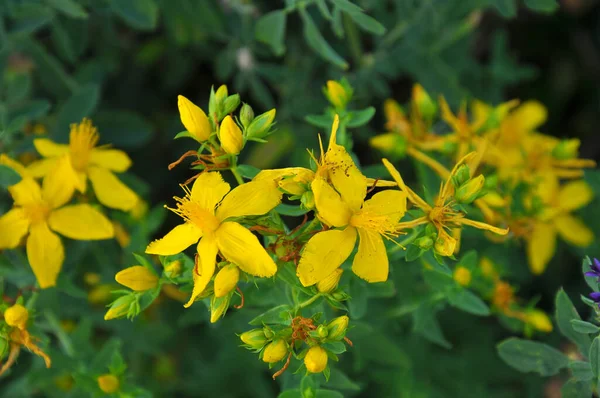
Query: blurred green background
x,y
123,63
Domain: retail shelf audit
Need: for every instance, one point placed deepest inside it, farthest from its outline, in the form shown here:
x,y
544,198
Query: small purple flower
x,y
595,271
595,296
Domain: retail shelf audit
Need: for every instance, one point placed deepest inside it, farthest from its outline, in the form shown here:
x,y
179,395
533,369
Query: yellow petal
x,y
205,266
41,167
412,196
208,190
45,253
239,246
57,186
250,199
194,119
112,159
13,227
371,261
110,191
48,148
26,192
484,226
389,203
81,222
541,246
448,116
529,116
230,136
445,245
380,183
138,278
481,111
177,240
331,209
13,164
323,253
345,176
573,230
292,180
387,142
575,195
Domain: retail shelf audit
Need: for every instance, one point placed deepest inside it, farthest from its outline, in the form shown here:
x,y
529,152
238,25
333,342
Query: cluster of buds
x,y
303,339
467,189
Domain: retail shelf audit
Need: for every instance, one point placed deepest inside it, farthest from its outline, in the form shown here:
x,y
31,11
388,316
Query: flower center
x,y
192,211
382,224
83,138
37,212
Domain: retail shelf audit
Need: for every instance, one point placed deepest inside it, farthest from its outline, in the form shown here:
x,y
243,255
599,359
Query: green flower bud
x,y
230,104
246,115
120,308
322,331
340,296
470,191
462,175
566,149
308,200
254,338
424,243
269,334
218,307
426,106
221,94
337,327
259,128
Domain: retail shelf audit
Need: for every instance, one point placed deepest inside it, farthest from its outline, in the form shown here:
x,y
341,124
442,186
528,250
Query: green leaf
x,y
467,301
469,260
81,104
360,118
8,176
322,5
581,370
315,40
248,171
592,281
324,121
69,7
507,8
426,324
595,357
62,41
584,327
367,23
337,347
277,315
139,14
565,312
287,273
183,134
328,394
18,88
347,6
308,386
531,356
31,110
545,6
290,210
340,381
576,389
123,129
270,29
295,393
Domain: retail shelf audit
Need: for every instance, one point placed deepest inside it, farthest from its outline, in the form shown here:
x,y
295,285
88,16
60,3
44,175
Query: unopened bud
x,y
119,308
91,278
566,149
322,331
315,359
246,115
194,119
226,280
340,296
269,333
108,383
230,104
221,94
462,276
137,278
337,327
308,200
461,176
173,269
336,94
254,338
444,244
218,307
16,316
275,351
392,144
230,136
100,294
470,190
424,103
539,320
424,243
259,128
330,282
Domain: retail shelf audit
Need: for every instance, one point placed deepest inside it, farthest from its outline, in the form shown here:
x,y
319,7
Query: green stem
x,y
308,302
237,175
62,337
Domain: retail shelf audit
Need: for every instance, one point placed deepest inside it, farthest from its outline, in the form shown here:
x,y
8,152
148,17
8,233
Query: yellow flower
x,y
226,280
230,136
275,351
213,228
538,320
368,220
315,359
291,180
462,276
40,211
16,316
194,119
108,383
138,278
556,219
85,160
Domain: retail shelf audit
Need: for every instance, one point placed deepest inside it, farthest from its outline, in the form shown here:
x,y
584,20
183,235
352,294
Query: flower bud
x,y
194,119
330,282
137,278
173,269
340,296
119,308
315,359
566,149
221,94
462,276
336,94
275,351
307,200
218,307
108,383
444,244
462,175
322,331
337,327
392,144
91,278
254,338
394,115
231,136
226,280
246,115
424,243
230,104
269,333
16,316
100,294
423,101
470,190
259,128
538,320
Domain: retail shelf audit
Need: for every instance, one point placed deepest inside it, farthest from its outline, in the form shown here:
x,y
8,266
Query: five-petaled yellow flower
x,y
555,219
39,213
85,160
209,210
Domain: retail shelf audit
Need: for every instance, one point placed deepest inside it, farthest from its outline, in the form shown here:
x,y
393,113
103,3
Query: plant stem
x,y
237,175
308,302
62,337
